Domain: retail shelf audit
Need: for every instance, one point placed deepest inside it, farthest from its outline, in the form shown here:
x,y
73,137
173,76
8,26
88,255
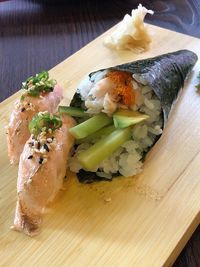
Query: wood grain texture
x,y
35,36
146,223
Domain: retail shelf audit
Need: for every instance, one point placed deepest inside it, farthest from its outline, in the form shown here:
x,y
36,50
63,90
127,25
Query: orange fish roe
x,y
123,92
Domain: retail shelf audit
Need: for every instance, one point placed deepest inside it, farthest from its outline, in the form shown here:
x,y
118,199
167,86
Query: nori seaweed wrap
x,y
164,75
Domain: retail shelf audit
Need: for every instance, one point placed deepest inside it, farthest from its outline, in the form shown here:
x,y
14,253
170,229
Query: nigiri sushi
x,y
40,94
128,107
42,168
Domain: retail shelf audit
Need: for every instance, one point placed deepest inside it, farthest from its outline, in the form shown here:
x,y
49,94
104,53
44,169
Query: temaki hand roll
x,y
123,111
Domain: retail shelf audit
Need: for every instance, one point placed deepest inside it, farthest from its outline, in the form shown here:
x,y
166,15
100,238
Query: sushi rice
x,y
128,159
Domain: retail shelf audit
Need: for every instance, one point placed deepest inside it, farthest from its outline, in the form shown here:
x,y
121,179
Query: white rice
x,y
127,160
87,83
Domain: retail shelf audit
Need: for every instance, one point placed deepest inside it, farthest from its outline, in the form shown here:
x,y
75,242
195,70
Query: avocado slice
x,y
124,118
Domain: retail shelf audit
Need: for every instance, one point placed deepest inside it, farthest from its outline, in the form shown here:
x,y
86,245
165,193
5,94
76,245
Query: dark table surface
x,y
37,35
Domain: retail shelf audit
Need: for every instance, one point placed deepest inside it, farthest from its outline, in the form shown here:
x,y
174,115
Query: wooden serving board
x,y
142,221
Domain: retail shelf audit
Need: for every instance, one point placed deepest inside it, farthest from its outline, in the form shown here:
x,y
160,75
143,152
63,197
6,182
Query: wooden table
x,y
36,35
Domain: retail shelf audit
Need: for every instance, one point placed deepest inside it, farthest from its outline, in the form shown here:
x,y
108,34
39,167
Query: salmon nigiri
x,y
42,168
40,94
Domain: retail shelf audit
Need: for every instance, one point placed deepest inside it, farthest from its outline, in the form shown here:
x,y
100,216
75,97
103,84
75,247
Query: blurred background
x,y
37,35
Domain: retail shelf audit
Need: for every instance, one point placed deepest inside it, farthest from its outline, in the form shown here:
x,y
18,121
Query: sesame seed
x,y
23,109
30,106
49,140
18,105
46,147
44,160
30,157
31,143
29,181
42,140
38,145
42,151
41,160
108,199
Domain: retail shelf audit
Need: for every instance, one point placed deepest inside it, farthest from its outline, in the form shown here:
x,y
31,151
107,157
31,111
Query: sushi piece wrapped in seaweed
x,y
148,87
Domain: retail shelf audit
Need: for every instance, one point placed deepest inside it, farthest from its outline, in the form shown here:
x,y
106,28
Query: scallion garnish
x,y
40,83
43,122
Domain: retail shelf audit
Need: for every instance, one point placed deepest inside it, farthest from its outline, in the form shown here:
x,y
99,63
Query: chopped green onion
x,y
90,126
94,155
43,121
40,83
22,98
74,112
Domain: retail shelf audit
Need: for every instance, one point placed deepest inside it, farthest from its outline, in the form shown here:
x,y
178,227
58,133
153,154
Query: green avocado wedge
x,y
91,157
90,126
125,118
